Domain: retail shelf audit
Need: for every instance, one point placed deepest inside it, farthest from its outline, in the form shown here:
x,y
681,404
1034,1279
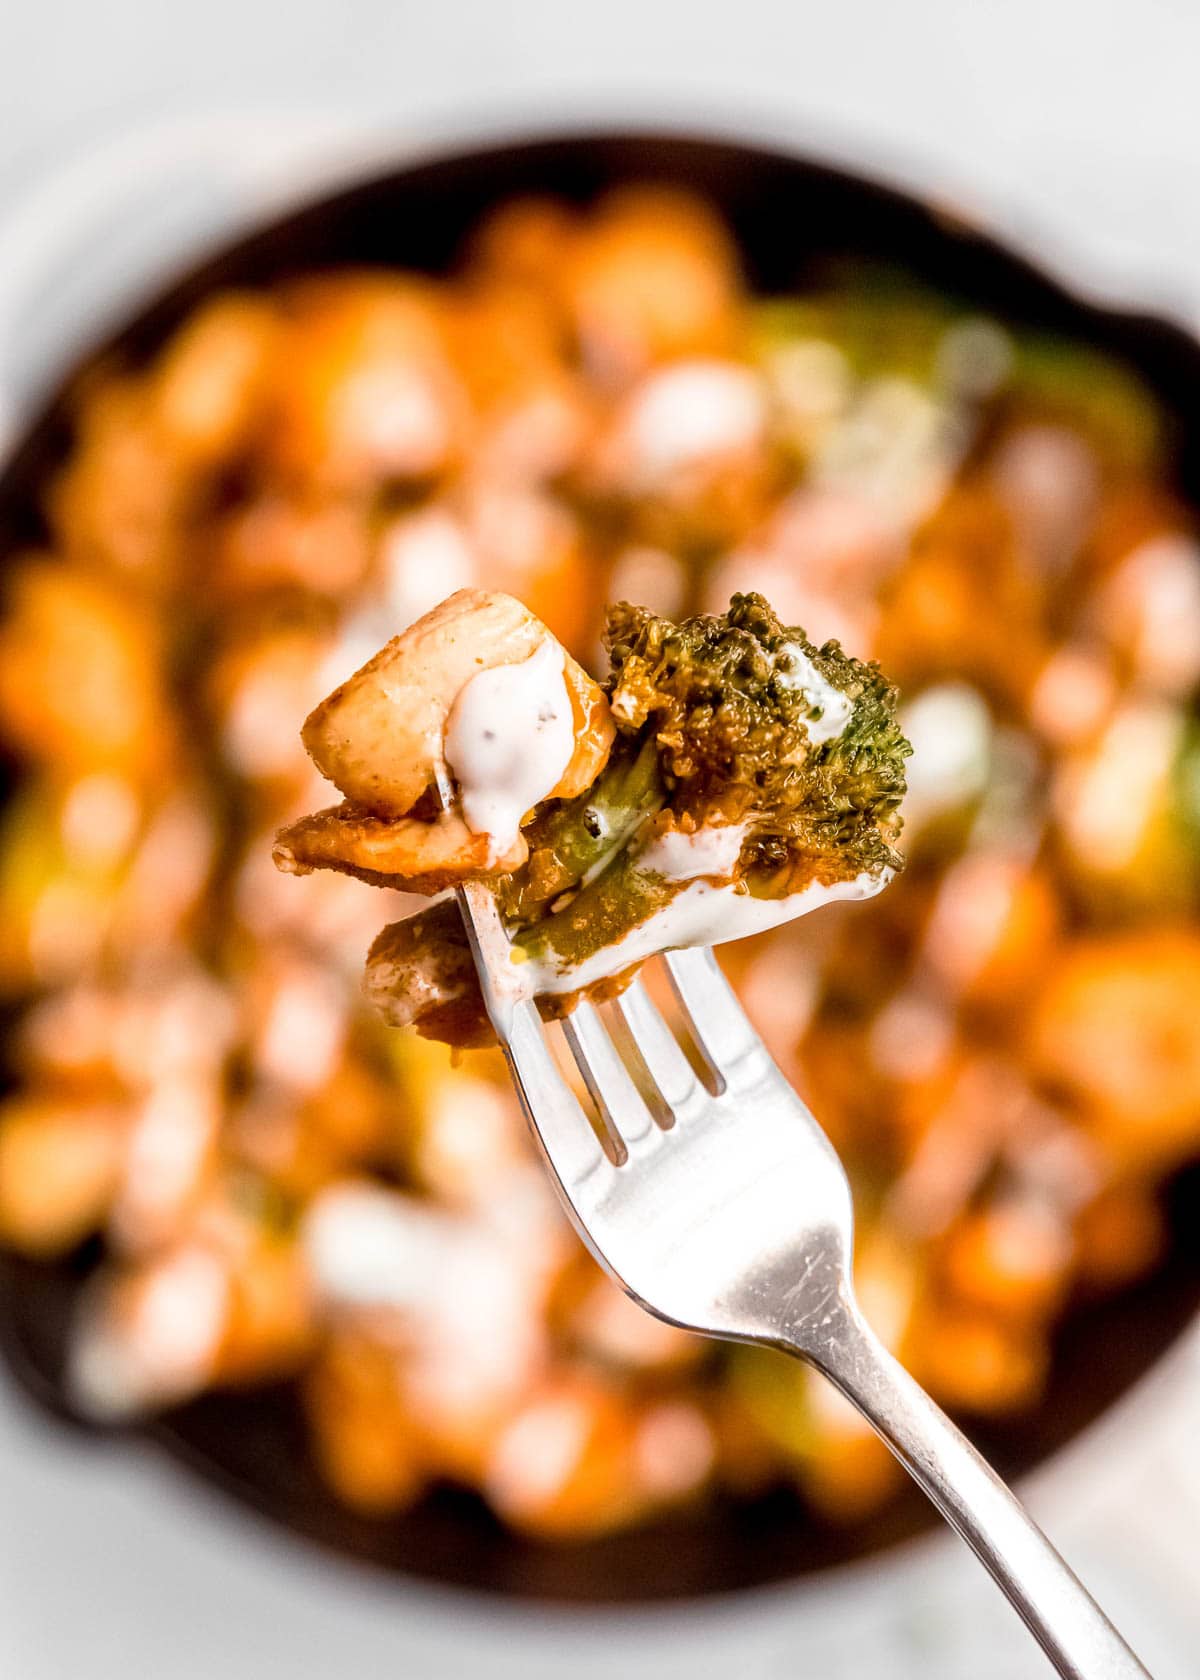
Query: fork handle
x,y
1056,1607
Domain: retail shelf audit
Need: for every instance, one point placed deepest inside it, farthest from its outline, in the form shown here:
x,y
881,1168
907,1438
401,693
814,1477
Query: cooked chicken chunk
x,y
423,857
383,739
379,737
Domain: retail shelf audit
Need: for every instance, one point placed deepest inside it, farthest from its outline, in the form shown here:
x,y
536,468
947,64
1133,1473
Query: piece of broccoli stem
x,y
581,889
573,841
599,915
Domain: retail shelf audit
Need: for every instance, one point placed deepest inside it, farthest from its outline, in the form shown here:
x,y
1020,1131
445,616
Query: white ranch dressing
x,y
692,411
795,669
467,1302
161,1348
702,914
509,738
689,857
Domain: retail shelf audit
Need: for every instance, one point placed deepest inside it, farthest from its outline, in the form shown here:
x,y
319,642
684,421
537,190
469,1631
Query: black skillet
x,y
792,219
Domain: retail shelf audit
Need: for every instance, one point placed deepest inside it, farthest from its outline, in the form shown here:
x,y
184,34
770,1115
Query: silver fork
x,y
719,1205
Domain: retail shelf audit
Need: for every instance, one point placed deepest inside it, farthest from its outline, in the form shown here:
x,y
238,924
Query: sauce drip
x,y
701,914
509,738
830,708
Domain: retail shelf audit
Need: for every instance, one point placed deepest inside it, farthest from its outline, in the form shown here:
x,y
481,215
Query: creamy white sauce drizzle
x,y
424,557
692,411
509,738
831,707
952,736
688,857
366,1247
702,914
157,1348
469,1302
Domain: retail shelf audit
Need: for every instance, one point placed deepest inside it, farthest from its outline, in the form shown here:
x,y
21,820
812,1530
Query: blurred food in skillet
x,y
594,407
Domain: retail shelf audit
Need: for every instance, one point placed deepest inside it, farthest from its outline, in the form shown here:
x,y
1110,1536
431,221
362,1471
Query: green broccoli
x,y
738,734
722,723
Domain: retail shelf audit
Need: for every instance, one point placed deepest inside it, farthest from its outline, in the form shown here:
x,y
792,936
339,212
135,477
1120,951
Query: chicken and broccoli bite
x,y
726,776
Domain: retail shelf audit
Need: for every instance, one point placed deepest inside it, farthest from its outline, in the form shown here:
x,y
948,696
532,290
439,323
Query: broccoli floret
x,y
722,721
740,737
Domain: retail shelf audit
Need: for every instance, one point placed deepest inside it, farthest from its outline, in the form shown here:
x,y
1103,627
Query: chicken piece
x,y
88,869
651,276
269,1329
421,973
1117,1029
160,1019
207,390
366,391
122,502
148,1335
992,928
301,1142
379,737
684,463
167,1166
1122,811
59,1167
1012,1258
426,857
365,1444
564,1467
228,1303
382,738
529,543
261,675
79,679
1148,610
466,1142
462,1299
524,240
319,544
518,536
511,353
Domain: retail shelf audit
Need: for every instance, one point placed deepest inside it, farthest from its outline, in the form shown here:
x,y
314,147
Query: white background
x,y
1077,127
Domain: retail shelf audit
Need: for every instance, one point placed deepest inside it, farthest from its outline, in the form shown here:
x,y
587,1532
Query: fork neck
x,y
1070,1627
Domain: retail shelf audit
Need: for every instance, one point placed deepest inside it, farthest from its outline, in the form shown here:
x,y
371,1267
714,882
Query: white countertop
x,y
1077,126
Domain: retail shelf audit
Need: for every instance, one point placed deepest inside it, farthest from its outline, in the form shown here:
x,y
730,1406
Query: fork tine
x,y
499,980
720,1026
618,1099
551,1107
654,1041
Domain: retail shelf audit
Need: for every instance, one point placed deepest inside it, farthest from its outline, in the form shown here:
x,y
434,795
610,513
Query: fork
x,y
718,1204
